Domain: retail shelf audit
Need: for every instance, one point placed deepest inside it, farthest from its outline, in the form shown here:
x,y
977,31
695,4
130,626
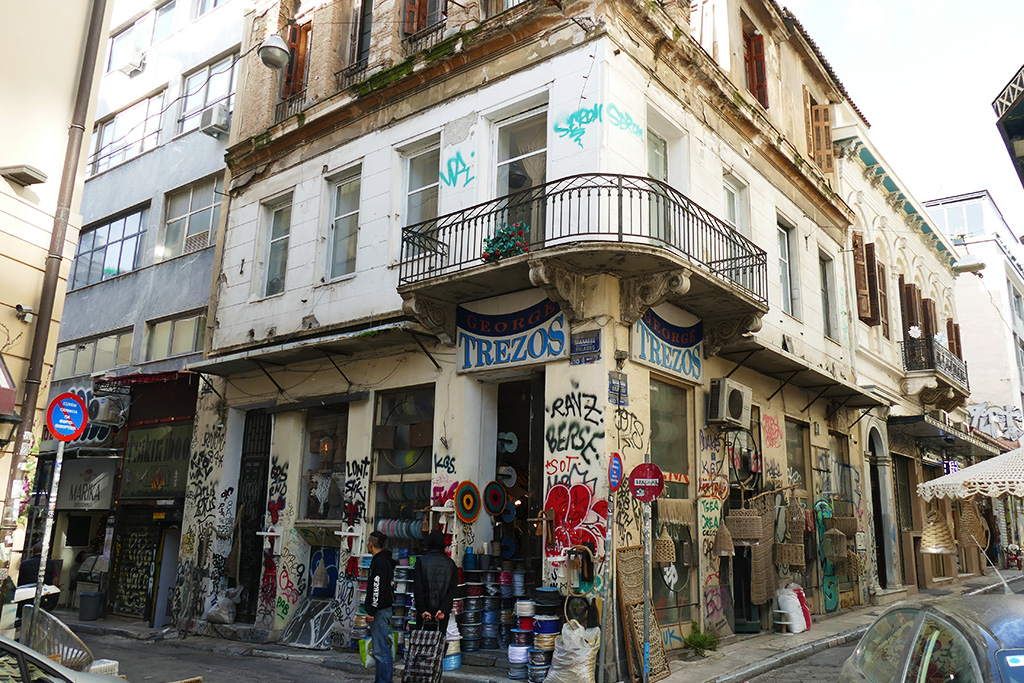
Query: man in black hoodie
x,y
434,581
380,596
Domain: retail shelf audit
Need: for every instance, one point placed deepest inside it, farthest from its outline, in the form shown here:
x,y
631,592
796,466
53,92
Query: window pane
x,y
397,414
880,652
105,353
111,264
130,253
159,339
133,223
220,81
164,22
729,199
100,236
202,195
276,265
116,231
668,433
63,363
347,198
124,349
422,205
85,241
281,223
183,336
423,169
195,91
173,239
199,222
177,204
522,138
96,267
343,253
121,47
657,157
83,361
942,654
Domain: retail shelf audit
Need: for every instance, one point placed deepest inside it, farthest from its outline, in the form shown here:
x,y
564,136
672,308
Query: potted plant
x,y
508,240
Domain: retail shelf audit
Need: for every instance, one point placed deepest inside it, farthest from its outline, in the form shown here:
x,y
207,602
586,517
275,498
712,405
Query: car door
x,y
941,653
881,655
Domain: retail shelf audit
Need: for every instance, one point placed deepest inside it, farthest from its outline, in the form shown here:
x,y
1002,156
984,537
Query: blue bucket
x,y
451,662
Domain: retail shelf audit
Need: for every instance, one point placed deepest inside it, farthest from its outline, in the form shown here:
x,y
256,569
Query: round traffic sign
x,y
646,482
66,417
614,472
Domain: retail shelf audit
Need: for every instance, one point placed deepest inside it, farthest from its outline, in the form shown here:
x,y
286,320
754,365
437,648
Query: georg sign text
x,y
532,335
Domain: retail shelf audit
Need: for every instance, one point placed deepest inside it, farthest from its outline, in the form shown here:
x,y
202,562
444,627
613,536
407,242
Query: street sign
x,y
646,482
615,472
66,417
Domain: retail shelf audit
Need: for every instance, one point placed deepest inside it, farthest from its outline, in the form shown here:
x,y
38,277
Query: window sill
x,y
338,280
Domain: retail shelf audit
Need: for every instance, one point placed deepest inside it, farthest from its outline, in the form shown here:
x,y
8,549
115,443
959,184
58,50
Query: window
x,y
668,433
422,185
207,5
818,124
343,231
842,473
364,29
953,339
323,480
421,15
403,433
192,215
796,454
787,273
126,135
754,63
734,202
826,268
657,169
122,49
93,355
206,87
1017,301
109,249
280,226
883,296
1020,357
522,165
175,337
163,26
941,653
880,654
294,83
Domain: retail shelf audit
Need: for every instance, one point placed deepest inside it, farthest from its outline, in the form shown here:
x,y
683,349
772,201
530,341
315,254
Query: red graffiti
x,y
442,495
274,507
578,517
772,431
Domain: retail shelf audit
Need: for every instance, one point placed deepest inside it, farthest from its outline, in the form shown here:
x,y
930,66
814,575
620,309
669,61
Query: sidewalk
x,y
738,659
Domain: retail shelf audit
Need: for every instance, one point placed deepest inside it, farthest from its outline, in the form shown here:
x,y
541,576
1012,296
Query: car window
x,y
941,653
10,671
37,674
880,652
1011,665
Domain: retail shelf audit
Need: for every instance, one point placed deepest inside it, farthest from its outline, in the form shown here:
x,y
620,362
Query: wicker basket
x,y
971,526
851,565
791,554
848,525
745,526
795,522
834,545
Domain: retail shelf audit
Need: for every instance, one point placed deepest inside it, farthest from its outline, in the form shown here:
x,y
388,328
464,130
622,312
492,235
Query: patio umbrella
x,y
1003,474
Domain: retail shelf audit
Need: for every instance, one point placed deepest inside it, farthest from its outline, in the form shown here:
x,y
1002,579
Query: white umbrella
x,y
992,478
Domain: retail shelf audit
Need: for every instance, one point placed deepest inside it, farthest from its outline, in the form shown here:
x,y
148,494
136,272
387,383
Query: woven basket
x,y
835,545
971,526
848,525
791,554
851,565
745,526
795,522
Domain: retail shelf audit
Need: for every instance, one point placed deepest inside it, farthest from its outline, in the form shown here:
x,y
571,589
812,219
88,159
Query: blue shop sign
x,y
672,348
533,335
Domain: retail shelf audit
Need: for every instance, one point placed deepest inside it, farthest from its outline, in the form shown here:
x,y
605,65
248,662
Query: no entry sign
x,y
66,417
646,482
615,472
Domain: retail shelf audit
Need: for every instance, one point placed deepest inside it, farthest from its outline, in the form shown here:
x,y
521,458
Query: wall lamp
x,y
274,53
969,264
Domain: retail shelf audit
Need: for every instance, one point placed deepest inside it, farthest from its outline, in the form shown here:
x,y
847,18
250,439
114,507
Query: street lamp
x,y
274,53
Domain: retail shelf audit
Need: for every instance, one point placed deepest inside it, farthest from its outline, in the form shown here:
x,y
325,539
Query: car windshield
x,y
881,651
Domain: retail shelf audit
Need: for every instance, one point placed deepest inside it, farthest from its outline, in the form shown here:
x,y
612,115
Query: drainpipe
x,y
41,333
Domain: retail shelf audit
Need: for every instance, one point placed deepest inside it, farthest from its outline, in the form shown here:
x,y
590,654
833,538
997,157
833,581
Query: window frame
x,y
149,139
789,284
501,128
214,208
211,71
129,32
270,210
92,343
755,63
197,318
87,237
409,157
170,5
829,304
738,189
351,176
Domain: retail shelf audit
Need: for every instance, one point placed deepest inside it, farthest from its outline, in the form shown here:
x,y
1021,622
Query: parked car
x,y
21,664
979,639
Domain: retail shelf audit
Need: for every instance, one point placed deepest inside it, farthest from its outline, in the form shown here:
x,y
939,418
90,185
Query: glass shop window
x,y
323,471
797,442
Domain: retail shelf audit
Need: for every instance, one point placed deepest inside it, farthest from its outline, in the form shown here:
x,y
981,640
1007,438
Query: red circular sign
x,y
66,417
646,482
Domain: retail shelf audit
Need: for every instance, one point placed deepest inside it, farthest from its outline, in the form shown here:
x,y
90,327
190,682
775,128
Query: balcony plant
x,y
508,240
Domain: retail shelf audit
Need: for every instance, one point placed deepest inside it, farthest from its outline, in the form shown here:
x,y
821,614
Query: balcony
x,y
588,224
427,37
290,106
934,372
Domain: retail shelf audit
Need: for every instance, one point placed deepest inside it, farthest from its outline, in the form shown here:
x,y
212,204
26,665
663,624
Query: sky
x,y
924,73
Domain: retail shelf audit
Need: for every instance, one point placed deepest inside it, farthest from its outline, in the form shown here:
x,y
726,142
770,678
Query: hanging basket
x,y
744,526
851,565
972,526
791,554
723,543
848,525
834,545
795,522
664,547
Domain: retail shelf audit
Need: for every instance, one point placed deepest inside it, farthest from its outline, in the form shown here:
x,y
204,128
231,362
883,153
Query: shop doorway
x,y
881,560
136,545
168,564
520,468
252,502
904,514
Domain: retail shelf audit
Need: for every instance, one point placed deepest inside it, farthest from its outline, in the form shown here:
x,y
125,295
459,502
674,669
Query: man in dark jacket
x,y
434,581
380,596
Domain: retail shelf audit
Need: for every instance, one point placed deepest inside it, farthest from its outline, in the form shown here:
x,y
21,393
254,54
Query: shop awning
x,y
775,362
341,344
940,437
994,478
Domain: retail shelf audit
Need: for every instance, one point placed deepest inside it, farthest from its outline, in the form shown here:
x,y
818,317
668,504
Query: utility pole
x,y
41,333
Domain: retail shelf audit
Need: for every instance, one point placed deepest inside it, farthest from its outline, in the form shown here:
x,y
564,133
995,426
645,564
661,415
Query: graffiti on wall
x,y
574,125
1000,422
772,432
716,604
357,474
457,171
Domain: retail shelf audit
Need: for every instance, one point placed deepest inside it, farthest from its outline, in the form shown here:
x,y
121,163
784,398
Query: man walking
x,y
435,580
380,596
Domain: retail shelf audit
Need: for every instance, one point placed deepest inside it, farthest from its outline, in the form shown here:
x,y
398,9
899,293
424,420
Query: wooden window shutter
x,y
412,16
757,74
883,299
860,277
821,115
951,340
904,304
807,123
931,320
872,271
295,73
959,344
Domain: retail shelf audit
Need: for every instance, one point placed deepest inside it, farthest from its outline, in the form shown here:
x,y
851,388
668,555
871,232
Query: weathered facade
x,y
507,243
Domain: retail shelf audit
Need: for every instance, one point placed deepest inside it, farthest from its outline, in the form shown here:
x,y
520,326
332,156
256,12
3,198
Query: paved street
x,y
820,668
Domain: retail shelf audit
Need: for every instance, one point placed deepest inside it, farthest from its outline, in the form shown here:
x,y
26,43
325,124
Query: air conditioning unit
x,y
215,120
729,403
110,411
135,64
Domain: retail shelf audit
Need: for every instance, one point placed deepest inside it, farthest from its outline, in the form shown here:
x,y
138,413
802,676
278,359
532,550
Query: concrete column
x,y
883,467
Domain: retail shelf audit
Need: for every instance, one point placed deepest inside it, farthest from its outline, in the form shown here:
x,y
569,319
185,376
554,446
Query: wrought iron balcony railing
x,y
427,37
290,106
927,354
594,208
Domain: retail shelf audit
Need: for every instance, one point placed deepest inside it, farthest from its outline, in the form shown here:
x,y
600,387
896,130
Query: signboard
x,y
614,472
670,347
156,461
585,347
87,483
646,482
526,336
66,417
618,388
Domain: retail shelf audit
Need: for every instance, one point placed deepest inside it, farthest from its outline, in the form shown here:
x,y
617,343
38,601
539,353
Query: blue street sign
x,y
614,472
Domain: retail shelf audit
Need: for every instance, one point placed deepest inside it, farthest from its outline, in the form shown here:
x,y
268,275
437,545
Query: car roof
x,y
1002,616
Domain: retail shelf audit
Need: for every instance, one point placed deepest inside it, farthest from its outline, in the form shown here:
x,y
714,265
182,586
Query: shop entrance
x,y
252,502
520,468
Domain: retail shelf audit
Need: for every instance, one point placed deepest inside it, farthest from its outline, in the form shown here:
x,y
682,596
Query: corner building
x,y
503,242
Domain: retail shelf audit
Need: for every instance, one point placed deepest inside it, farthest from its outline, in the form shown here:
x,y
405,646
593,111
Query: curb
x,y
794,655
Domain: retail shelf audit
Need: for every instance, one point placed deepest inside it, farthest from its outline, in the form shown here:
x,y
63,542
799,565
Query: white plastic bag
x,y
224,611
790,604
575,655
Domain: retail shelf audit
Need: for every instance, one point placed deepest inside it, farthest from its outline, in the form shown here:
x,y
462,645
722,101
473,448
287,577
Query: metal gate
x,y
252,500
135,552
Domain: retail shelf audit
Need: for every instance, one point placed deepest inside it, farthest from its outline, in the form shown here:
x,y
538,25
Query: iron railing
x,y
588,208
290,106
427,37
927,354
351,74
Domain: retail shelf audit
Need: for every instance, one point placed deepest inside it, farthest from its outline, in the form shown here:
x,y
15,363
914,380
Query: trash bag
x,y
790,604
227,603
366,650
575,654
